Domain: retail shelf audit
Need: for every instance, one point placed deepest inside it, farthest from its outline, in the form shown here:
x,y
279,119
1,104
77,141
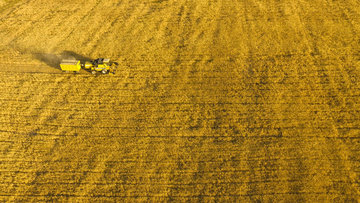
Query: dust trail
x,y
53,60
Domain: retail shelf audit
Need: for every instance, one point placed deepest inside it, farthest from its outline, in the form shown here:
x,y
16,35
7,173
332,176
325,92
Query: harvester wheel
x,y
93,72
104,71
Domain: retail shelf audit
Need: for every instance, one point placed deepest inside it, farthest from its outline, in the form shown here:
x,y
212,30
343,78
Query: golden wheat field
x,y
213,101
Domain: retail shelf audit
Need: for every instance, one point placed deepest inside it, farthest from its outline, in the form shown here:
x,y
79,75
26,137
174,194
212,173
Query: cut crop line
x,y
104,96
133,73
182,110
215,89
268,136
131,171
82,103
169,184
106,119
200,78
300,76
168,126
153,71
180,196
249,159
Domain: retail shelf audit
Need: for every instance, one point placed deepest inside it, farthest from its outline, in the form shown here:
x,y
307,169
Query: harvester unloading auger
x,y
99,65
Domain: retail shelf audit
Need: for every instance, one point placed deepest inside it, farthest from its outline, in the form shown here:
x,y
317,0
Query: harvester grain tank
x,y
100,65
70,65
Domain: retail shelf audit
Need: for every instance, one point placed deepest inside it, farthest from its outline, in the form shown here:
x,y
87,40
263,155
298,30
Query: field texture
x,y
214,100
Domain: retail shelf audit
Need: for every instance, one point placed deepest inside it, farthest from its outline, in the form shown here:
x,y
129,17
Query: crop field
x,y
213,100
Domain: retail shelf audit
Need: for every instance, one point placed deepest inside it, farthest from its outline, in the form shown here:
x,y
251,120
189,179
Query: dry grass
x,y
214,101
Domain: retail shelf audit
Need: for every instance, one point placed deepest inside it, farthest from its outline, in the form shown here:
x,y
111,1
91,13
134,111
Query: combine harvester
x,y
99,65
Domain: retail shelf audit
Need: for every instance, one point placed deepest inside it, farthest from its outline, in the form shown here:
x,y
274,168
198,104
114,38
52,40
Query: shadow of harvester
x,y
54,60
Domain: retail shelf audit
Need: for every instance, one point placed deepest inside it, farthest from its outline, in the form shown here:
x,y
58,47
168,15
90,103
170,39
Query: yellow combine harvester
x,y
99,65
